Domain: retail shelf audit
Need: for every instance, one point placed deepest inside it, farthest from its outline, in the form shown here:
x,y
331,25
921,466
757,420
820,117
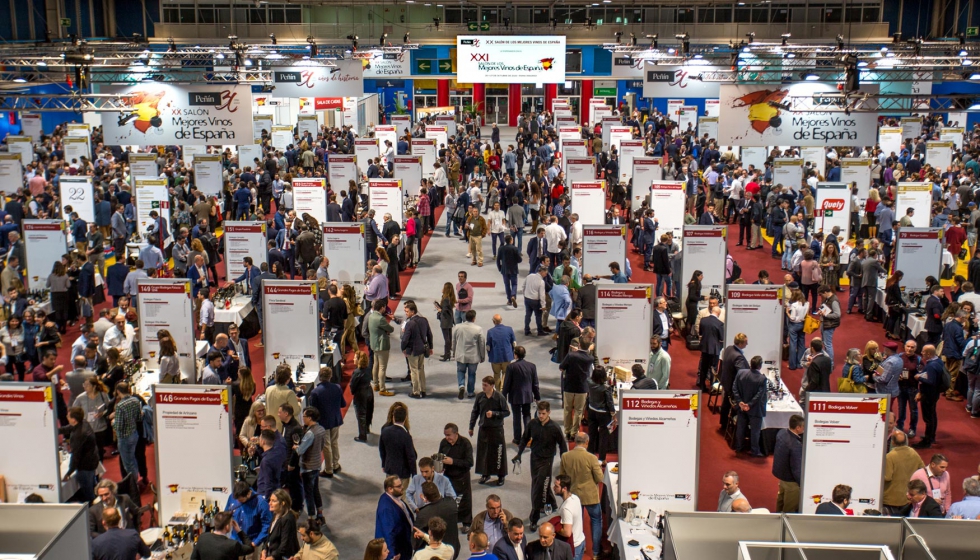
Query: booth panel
x,y
696,536
916,549
850,529
72,542
948,539
47,531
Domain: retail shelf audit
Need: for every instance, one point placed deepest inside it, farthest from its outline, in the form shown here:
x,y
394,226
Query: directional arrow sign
x,y
972,31
472,26
423,66
484,26
445,66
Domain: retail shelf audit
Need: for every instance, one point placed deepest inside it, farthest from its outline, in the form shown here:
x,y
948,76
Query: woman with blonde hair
x,y
350,324
444,312
870,361
796,312
243,396
854,372
250,428
874,199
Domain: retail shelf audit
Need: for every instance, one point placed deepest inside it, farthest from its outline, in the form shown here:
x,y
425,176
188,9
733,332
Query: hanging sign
x,y
344,79
76,191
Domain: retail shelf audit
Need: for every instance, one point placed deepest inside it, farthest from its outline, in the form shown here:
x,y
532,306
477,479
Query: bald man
x,y
546,547
228,357
500,349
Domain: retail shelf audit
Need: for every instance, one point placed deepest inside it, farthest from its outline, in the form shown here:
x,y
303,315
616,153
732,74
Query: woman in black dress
x,y
394,267
693,297
282,543
363,396
602,412
57,285
243,395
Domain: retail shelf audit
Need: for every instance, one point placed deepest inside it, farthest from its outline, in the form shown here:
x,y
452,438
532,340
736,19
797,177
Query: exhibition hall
x,y
305,280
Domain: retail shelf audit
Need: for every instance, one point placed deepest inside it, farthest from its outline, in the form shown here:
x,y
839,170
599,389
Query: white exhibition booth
x,y
579,169
341,170
588,200
624,314
939,155
77,191
150,195
788,172
310,197
566,133
408,170
144,166
645,172
11,169
427,149
208,174
833,205
344,244
23,146
918,254
757,311
244,239
704,248
601,245
291,324
30,426
857,172
44,245
628,151
917,196
575,148
386,196
366,150
166,304
667,200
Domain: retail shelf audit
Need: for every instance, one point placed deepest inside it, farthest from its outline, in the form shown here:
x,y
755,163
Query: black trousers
x,y
293,483
704,369
744,232
522,415
541,492
491,452
599,436
928,407
726,409
461,485
447,337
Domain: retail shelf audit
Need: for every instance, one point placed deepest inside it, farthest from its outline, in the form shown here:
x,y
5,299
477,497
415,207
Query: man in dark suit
x,y
398,456
106,490
537,248
276,256
547,547
663,323
443,508
840,499
506,548
218,545
712,342
246,277
585,300
197,273
257,290
732,361
817,378
393,520
751,393
614,218
116,542
921,504
508,257
708,218
115,279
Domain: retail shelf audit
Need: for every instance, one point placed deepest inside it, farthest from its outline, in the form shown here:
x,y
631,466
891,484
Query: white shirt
x,y
496,219
576,233
554,233
207,313
534,288
571,513
121,340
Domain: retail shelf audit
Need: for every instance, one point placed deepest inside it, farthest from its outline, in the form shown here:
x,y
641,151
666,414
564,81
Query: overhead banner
x,y
260,123
207,174
366,149
626,67
150,195
192,421
624,315
30,125
76,148
386,196
788,172
344,244
310,197
344,79
918,254
247,154
388,65
667,200
244,239
11,170
708,127
76,191
757,311
29,425
166,304
438,133
282,136
628,150
857,172
44,244
890,139
753,116
651,422
291,324
917,196
678,81
832,209
23,146
409,170
341,170
754,156
589,202
843,430
704,248
510,59
574,148
143,166
426,148
646,170
181,114
939,155
602,245
579,169
308,124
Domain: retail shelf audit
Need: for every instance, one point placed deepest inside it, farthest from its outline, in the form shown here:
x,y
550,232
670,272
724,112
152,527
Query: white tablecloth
x,y
241,306
778,412
69,487
916,323
621,532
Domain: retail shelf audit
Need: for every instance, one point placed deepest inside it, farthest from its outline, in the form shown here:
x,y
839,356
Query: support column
x,y
442,93
550,93
584,101
513,103
480,100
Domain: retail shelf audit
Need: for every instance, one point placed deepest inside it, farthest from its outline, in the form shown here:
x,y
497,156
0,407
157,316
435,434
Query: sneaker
x,y
387,393
462,391
911,433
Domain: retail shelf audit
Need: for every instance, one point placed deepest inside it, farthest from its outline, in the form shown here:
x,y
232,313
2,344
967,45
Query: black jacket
x,y
446,509
787,458
585,300
521,383
566,332
84,451
661,258
212,546
817,376
127,509
283,542
659,328
712,332
417,336
732,361
828,508
397,448
508,257
751,387
560,550
462,456
929,508
495,403
505,550
543,439
600,398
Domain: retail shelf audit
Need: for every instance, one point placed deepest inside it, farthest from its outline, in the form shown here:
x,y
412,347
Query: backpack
x,y
736,270
971,363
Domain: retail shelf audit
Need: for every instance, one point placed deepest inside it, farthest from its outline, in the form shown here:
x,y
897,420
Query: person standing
x,y
417,345
218,545
787,465
124,419
535,299
489,410
379,339
929,392
500,348
328,399
712,342
543,435
476,227
585,473
508,259
750,392
84,452
521,389
464,297
954,344
457,452
571,516
901,462
469,351
576,371
908,388
547,547
397,448
830,311
394,520
658,363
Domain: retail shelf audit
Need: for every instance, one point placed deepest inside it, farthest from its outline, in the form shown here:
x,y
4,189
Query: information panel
x,y
833,209
21,145
310,197
143,166
667,200
917,196
624,316
11,171
708,126
646,170
260,123
29,425
890,139
386,196
426,148
788,172
629,150
566,133
77,192
844,430
344,245
44,244
954,135
366,149
166,304
341,170
244,239
617,134
757,311
817,156
651,422
76,148
247,154
207,174
939,155
602,245
578,169
857,171
192,421
409,170
754,156
918,254
191,151
290,324
385,132
150,195
574,148
911,126
307,124
438,133
589,201
30,124
282,136
704,248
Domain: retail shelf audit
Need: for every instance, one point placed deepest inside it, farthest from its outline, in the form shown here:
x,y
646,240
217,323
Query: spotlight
x,y
974,76
685,42
248,62
619,36
554,23
653,41
896,37
405,39
272,37
172,46
311,46
809,76
786,37
751,36
384,37
963,52
435,21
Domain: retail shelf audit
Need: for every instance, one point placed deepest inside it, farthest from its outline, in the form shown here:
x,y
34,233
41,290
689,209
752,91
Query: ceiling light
x,y
974,76
963,52
786,37
20,80
42,63
967,62
811,77
863,64
248,62
220,56
790,55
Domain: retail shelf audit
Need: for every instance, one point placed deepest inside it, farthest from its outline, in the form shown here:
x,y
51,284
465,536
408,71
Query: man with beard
x,y
490,409
457,462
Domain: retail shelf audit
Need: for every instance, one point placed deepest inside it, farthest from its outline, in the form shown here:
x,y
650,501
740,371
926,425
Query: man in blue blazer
x,y
115,279
393,520
328,399
506,548
840,499
197,273
251,272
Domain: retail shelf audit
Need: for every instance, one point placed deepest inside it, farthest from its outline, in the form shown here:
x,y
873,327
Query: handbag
x,y
963,254
816,274
847,384
810,324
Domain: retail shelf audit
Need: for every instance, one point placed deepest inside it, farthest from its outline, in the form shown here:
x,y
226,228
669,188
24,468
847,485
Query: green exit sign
x,y
484,26
604,92
972,31
65,22
472,26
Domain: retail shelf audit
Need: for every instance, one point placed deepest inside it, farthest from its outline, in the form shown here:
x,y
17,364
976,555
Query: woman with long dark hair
x,y
58,284
169,362
283,542
602,413
96,403
362,395
444,311
243,395
12,338
895,305
693,297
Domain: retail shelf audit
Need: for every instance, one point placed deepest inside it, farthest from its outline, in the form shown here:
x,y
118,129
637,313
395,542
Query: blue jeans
x,y
854,295
451,222
797,340
595,520
665,281
827,335
311,492
510,285
519,237
906,400
469,372
787,257
127,452
579,552
495,237
86,484
973,394
458,316
777,239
